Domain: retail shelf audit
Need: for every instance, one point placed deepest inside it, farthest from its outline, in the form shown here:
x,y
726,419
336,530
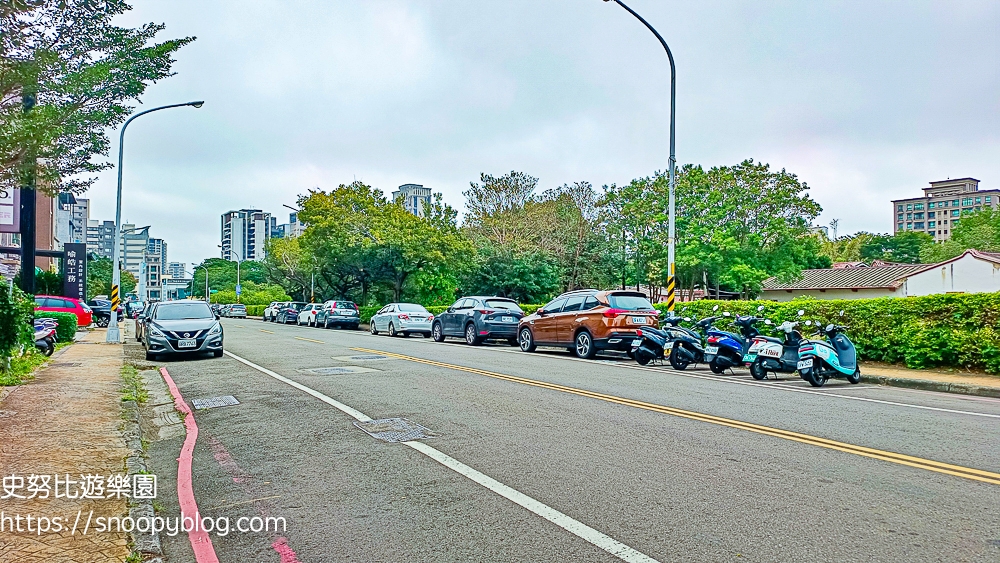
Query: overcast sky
x,y
864,101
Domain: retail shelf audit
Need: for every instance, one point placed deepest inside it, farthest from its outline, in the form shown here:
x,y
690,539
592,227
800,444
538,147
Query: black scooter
x,y
655,343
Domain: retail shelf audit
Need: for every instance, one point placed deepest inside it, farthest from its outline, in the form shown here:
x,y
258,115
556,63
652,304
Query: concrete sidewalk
x,y
982,385
65,423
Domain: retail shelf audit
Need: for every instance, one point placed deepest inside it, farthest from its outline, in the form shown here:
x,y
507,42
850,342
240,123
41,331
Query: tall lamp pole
x,y
206,281
671,281
114,335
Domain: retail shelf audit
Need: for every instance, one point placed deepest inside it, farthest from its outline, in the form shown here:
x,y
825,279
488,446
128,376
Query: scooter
x,y
835,357
726,350
649,344
45,337
688,345
771,354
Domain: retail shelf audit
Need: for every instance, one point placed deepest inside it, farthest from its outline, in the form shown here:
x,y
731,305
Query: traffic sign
x,y
239,289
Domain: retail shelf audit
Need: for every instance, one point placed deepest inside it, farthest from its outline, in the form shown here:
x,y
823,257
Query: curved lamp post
x,y
671,282
114,335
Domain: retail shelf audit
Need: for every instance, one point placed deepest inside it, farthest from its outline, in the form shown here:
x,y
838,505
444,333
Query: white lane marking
x,y
754,384
571,525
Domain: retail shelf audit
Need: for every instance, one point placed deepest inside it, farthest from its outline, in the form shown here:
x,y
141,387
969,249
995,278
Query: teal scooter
x,y
835,357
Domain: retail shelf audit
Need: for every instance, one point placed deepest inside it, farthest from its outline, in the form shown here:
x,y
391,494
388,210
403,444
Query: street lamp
x,y
671,281
114,335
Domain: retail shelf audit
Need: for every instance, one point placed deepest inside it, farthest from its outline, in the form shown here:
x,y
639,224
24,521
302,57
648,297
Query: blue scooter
x,y
726,350
835,357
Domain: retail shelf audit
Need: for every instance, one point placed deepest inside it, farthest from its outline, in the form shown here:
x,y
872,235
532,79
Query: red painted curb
x,y
201,543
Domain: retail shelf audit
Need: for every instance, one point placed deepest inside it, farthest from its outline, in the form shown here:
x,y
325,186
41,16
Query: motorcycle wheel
x,y
757,371
716,368
676,362
49,348
814,377
855,378
642,358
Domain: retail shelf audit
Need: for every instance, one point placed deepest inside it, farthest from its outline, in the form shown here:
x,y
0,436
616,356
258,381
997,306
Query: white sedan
x,y
307,316
402,318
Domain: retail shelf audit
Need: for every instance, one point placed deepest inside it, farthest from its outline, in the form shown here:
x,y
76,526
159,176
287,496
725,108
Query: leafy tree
x,y
904,247
525,278
495,211
845,248
222,275
99,278
80,72
980,230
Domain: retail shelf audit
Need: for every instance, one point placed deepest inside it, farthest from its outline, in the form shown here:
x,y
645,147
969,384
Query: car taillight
x,y
430,317
404,317
638,332
486,311
612,313
713,339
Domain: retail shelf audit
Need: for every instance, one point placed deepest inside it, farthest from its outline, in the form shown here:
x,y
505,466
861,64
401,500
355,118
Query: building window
x,y
966,201
979,200
900,207
930,214
930,205
918,207
930,224
909,226
989,199
946,232
954,203
899,227
918,215
919,225
909,216
899,217
909,207
955,212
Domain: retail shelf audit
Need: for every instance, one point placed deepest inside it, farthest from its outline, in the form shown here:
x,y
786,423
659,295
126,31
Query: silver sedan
x,y
402,318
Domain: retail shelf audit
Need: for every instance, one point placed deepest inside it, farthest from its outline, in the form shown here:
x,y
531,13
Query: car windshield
x,y
346,305
503,304
237,307
182,311
296,305
411,308
629,302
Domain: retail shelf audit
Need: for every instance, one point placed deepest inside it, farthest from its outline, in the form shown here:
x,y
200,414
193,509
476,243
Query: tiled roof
x,y
849,278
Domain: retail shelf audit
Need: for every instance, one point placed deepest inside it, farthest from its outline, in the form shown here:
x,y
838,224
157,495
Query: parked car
x,y
342,314
133,308
181,327
101,311
478,319
307,314
402,318
55,304
271,311
289,312
140,320
236,311
588,321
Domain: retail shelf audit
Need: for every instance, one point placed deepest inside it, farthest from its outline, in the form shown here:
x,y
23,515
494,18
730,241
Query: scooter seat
x,y
769,339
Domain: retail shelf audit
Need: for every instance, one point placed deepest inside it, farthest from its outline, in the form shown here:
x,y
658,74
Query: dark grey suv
x,y
477,319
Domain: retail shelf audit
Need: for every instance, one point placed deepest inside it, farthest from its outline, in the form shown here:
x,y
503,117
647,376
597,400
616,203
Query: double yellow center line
x,y
892,457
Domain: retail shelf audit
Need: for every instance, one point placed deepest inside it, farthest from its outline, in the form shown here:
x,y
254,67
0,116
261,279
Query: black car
x,y
338,313
102,311
182,327
477,319
289,312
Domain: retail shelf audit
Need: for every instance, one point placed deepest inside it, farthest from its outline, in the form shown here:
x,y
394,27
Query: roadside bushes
x,y
958,331
16,310
66,324
256,310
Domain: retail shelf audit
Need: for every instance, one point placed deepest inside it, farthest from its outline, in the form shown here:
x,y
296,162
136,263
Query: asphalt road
x,y
678,466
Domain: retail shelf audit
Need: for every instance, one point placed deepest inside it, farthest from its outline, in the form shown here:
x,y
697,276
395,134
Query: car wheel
x,y
757,370
372,329
584,346
471,338
526,340
436,333
326,322
392,330
217,353
856,376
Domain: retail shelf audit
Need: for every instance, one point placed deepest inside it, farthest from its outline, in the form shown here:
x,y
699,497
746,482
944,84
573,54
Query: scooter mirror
x,y
687,319
726,314
716,308
767,322
841,312
760,308
829,327
801,312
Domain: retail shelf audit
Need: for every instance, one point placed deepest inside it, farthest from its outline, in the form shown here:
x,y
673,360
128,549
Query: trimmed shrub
x,y
255,310
957,331
66,324
16,311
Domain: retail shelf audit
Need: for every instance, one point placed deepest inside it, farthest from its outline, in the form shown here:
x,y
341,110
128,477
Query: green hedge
x,y
16,310
256,310
957,331
66,324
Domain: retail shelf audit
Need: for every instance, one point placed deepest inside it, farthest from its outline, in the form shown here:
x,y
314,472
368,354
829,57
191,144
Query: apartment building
x,y
414,198
941,207
245,233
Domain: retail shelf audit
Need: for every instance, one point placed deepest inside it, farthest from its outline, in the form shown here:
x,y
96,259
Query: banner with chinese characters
x,y
75,272
10,210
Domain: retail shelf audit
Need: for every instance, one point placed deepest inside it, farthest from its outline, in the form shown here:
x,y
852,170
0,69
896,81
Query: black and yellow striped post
x,y
115,299
671,283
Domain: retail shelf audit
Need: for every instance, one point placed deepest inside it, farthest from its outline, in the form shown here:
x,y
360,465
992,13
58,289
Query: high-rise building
x,y
101,238
244,234
133,248
175,270
158,247
942,206
414,198
81,220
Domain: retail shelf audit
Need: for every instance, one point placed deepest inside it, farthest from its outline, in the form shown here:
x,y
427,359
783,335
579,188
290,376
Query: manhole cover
x,y
213,402
66,364
362,358
394,430
340,370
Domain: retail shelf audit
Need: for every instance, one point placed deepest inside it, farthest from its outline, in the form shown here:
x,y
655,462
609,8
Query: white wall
x,y
783,295
965,275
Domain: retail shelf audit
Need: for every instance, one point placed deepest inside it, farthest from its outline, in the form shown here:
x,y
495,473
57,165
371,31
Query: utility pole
x,y
28,205
833,225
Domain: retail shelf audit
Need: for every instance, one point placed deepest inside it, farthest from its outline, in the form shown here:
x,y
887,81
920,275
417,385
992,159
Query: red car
x,y
54,304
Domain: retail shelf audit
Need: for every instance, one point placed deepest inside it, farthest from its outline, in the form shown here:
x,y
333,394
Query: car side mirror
x,y
450,310
541,312
216,316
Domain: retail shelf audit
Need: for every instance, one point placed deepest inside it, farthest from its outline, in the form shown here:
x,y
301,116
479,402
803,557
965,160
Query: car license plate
x,y
804,364
507,319
637,342
712,350
187,343
638,320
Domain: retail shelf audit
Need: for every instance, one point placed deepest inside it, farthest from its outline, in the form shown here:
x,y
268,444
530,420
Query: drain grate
x,y
214,402
362,358
340,370
394,430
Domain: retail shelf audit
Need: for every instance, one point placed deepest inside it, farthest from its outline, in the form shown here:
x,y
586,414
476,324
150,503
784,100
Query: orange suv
x,y
588,321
